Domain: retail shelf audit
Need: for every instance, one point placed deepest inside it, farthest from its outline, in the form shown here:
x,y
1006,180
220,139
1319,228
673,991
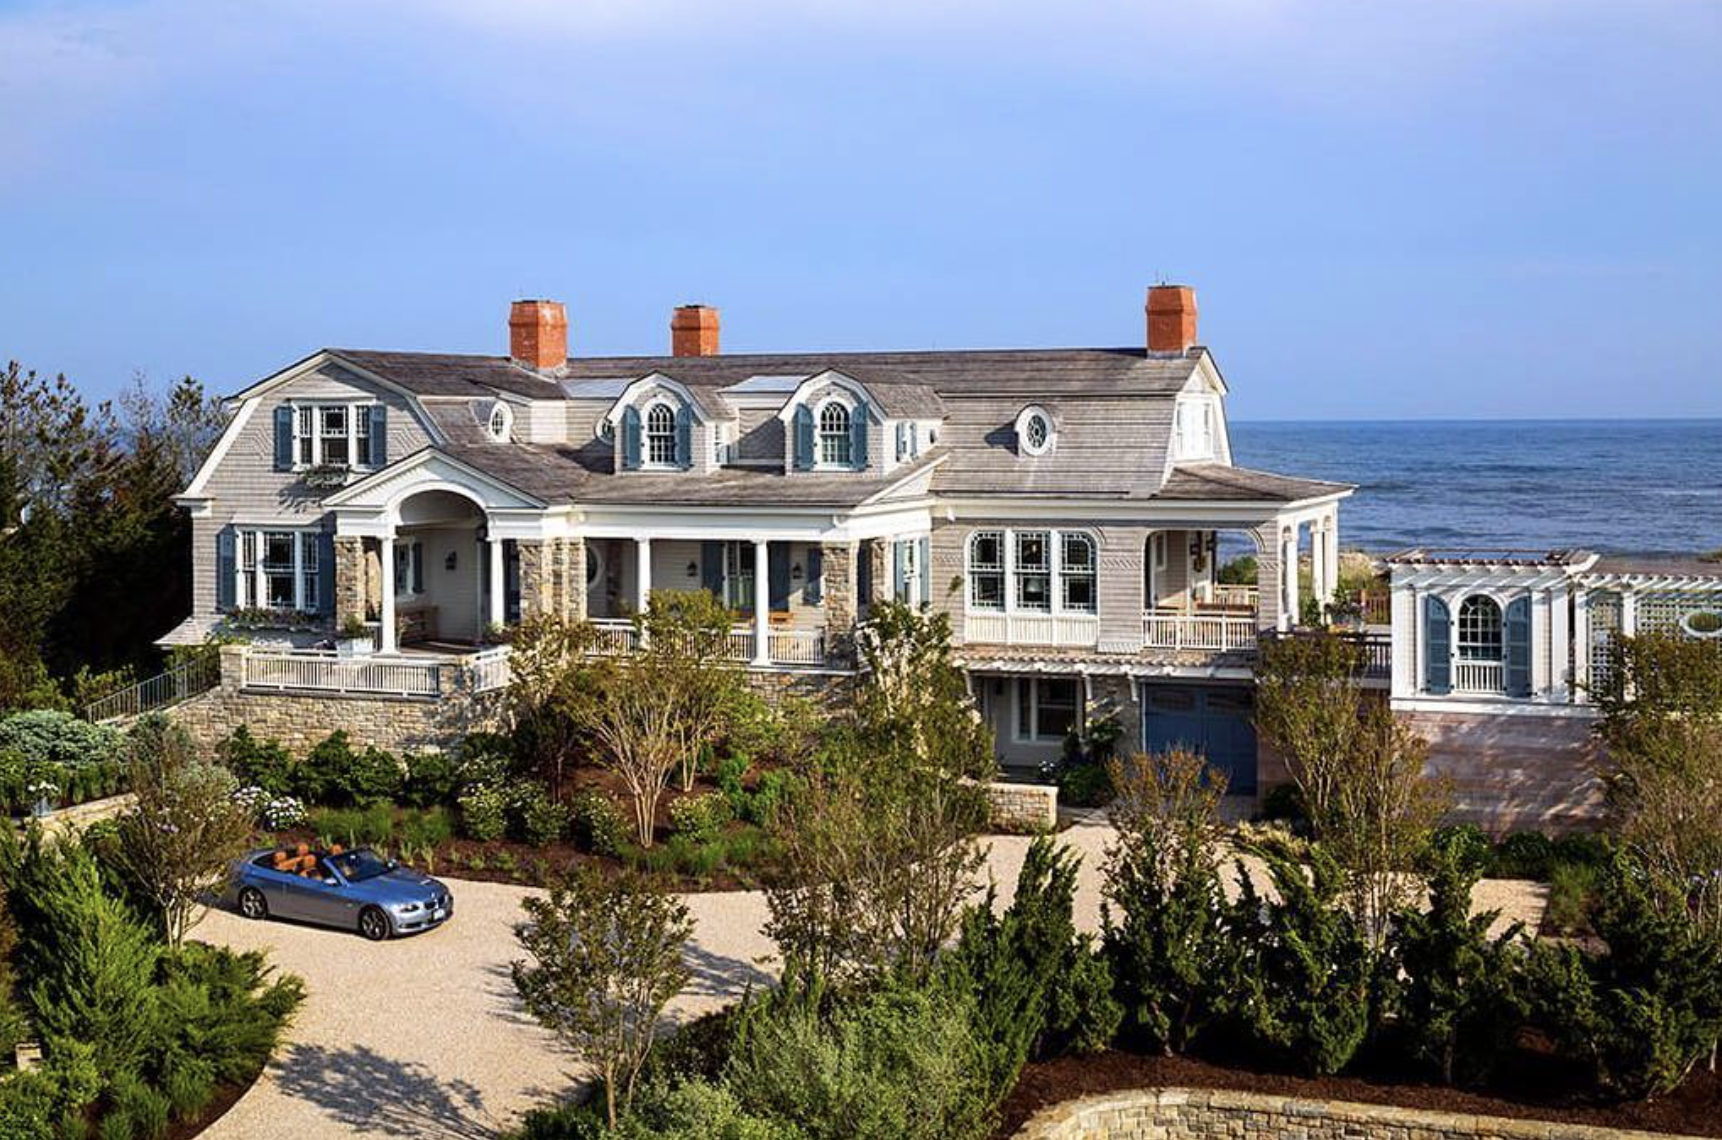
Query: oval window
x,y
1704,623
1034,431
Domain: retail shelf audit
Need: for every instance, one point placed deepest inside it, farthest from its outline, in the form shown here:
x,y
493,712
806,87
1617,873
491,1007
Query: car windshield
x,y
357,866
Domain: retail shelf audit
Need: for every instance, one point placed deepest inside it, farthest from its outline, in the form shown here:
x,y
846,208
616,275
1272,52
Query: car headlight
x,y
408,908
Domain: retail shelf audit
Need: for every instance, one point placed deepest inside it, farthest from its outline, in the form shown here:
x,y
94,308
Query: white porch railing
x,y
1238,597
615,635
1212,632
786,646
490,670
1078,630
797,646
320,672
1478,677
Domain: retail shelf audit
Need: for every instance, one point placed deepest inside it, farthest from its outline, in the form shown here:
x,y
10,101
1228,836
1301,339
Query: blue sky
x,y
1467,208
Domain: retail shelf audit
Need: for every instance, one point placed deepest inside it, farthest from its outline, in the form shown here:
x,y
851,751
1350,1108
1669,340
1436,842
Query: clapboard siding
x,y
246,486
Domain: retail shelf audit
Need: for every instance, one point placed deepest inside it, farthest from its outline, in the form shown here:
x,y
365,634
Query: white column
x,y
298,571
1288,577
498,579
1628,613
259,580
1560,646
1581,645
642,574
388,643
761,602
1331,531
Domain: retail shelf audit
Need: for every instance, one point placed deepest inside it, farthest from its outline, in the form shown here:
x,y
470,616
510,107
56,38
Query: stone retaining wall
x,y
1196,1114
1022,809
301,720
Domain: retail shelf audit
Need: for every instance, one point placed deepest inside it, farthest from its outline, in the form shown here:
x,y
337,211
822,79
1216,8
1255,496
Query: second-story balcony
x,y
784,645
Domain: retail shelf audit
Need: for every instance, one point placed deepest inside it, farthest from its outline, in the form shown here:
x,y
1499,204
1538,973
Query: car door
x,y
329,900
277,888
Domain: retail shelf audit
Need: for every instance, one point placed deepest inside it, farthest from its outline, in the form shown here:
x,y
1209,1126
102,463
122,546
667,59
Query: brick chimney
x,y
538,334
694,331
1171,319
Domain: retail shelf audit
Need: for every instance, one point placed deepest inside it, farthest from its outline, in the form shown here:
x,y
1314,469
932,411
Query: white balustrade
x,y
1235,596
1478,677
797,646
1211,632
323,672
490,670
1078,630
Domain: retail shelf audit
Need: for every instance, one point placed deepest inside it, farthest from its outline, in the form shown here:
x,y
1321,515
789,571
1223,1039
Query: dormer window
x,y
501,422
660,435
835,448
1034,431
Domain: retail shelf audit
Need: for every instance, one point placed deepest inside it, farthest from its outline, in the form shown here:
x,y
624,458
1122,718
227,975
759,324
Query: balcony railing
x,y
1478,677
164,690
1072,630
1233,596
327,673
786,646
1212,632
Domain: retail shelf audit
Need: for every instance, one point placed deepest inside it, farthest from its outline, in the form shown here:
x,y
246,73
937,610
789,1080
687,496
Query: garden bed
x,y
1534,1086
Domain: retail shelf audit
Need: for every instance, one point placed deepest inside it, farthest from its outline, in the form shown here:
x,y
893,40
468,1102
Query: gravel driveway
x,y
422,1037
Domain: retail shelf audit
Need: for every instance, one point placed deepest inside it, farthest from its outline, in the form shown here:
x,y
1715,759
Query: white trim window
x,y
1032,580
332,435
836,447
501,422
660,432
1077,568
1195,433
987,570
278,569
1035,433
1481,636
409,568
1047,709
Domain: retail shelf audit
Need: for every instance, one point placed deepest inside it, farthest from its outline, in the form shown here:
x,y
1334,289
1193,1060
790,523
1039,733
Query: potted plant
x,y
43,792
353,639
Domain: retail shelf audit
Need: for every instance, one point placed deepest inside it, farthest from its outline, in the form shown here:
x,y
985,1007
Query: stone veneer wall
x,y
838,562
1022,809
349,578
1192,1114
829,691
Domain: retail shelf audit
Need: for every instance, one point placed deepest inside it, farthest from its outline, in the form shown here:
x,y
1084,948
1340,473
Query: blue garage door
x,y
1211,719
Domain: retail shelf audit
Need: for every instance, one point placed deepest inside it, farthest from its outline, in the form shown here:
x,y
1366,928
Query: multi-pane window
x,y
332,428
738,560
987,570
1479,629
305,433
362,438
1034,570
1046,708
661,436
278,570
1077,572
834,445
908,440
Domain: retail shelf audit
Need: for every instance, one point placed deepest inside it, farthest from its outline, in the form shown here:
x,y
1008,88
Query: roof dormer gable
x,y
656,385
821,386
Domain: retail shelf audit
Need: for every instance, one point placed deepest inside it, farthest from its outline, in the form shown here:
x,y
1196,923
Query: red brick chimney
x,y
538,334
694,331
1171,319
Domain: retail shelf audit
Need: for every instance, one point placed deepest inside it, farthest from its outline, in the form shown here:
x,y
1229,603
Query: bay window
x,y
987,570
1033,571
1033,578
278,570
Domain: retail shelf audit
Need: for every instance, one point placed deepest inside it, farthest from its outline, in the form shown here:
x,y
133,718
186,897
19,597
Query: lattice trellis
x,y
1604,625
1662,611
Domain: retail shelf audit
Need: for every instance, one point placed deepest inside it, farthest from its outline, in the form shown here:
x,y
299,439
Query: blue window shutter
x,y
711,568
418,549
226,568
864,575
858,437
815,590
899,571
630,438
326,570
1516,630
379,435
283,437
1437,647
925,562
684,437
902,441
777,573
803,438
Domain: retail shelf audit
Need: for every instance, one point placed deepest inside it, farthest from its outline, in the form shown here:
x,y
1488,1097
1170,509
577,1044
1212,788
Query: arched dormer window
x,y
1479,629
835,446
501,422
1035,434
660,432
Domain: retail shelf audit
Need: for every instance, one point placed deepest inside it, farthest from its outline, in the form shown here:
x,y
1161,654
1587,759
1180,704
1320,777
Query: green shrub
x,y
729,775
1524,855
190,1088
771,792
896,1063
27,1106
1284,803
483,814
1573,889
699,818
333,773
1303,986
426,829
1084,784
1037,986
222,1009
598,823
697,1110
432,779
541,820
257,763
1646,1010
135,1109
1459,991
53,737
354,827
484,758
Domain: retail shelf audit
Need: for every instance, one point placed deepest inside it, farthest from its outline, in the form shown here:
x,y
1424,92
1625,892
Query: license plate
x,y
438,914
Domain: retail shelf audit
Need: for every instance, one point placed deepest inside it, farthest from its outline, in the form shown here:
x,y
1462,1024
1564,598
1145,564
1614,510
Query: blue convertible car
x,y
356,890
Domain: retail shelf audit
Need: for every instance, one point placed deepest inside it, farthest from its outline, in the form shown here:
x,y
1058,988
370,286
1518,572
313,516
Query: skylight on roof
x,y
767,384
596,389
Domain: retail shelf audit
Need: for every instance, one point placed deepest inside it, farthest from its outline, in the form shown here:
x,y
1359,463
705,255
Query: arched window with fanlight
x,y
661,435
1480,646
835,448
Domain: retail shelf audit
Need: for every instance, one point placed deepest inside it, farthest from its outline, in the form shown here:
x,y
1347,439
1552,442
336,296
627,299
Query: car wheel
x,y
252,904
373,924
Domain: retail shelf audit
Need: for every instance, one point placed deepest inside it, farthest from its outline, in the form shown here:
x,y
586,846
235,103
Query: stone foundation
x,y
830,692
1190,1114
1516,771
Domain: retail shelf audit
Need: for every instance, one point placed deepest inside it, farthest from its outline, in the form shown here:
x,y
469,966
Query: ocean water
x,y
1616,486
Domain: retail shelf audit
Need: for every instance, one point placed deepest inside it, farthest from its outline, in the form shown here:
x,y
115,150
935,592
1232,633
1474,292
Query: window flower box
x,y
326,476
293,621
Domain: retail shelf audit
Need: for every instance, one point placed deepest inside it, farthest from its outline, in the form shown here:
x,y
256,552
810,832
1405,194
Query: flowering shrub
x,y
699,817
484,814
277,813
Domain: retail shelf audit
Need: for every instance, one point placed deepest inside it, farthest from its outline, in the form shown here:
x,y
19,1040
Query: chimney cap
x,y
694,330
1171,311
538,333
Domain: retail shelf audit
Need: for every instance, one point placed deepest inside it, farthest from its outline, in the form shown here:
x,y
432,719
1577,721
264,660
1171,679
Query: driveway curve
x,y
423,1036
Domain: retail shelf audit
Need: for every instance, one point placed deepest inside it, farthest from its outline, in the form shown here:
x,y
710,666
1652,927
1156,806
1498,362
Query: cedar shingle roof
x,y
1209,481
